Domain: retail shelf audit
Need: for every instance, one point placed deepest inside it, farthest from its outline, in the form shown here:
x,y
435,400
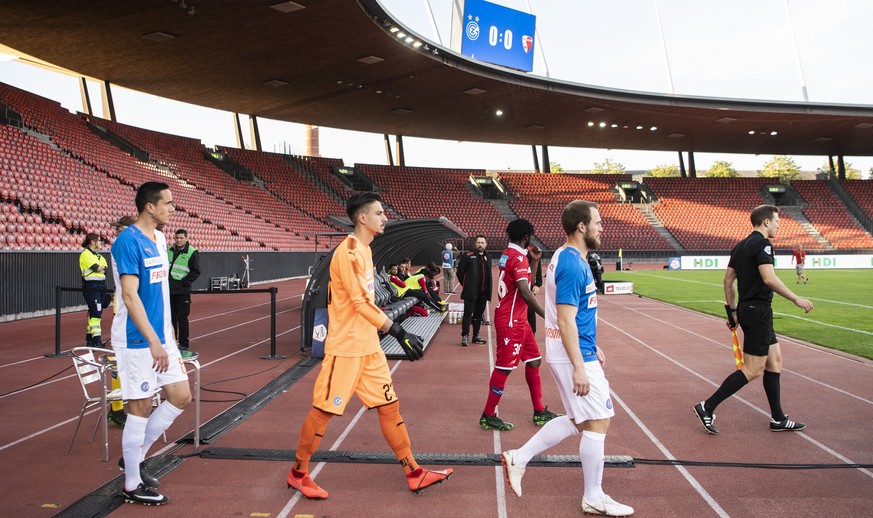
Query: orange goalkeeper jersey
x,y
353,316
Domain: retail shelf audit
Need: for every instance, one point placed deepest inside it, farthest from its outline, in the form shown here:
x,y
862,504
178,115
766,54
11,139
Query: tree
x,y
661,171
555,167
608,166
782,167
851,172
722,169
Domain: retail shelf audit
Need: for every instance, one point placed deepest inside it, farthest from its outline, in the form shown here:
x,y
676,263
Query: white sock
x,y
131,449
591,449
549,435
158,422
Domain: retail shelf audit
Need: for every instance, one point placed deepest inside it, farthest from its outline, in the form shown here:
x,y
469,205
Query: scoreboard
x,y
498,35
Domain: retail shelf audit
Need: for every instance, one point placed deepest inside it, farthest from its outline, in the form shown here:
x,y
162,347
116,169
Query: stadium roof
x,y
335,63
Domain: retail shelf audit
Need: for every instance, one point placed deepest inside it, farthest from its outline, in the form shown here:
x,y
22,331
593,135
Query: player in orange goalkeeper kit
x,y
353,361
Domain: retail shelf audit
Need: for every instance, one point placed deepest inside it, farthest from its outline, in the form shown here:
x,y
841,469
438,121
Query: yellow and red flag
x,y
735,341
738,351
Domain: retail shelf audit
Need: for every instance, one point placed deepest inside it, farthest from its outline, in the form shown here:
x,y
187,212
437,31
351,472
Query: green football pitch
x,y
842,318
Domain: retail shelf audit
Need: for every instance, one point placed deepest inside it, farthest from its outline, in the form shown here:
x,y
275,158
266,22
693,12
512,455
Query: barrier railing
x,y
272,291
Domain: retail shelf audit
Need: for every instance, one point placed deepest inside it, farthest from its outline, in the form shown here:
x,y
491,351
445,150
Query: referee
x,y
751,267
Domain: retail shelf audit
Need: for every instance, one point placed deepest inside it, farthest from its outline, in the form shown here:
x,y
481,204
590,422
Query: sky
x,y
749,49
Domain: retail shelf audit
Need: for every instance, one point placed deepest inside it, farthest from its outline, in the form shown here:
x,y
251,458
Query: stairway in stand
x,y
656,223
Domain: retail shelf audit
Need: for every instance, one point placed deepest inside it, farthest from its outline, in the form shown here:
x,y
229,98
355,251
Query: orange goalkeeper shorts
x,y
341,376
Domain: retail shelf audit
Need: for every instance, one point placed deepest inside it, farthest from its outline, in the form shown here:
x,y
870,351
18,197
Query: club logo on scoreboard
x,y
473,30
526,43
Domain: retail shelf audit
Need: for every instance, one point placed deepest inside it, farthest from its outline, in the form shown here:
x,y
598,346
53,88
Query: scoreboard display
x,y
498,35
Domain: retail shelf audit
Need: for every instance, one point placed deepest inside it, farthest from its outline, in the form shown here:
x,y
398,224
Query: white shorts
x,y
596,405
138,378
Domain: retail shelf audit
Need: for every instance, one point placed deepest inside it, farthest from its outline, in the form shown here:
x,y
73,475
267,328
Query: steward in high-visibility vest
x,y
184,270
93,267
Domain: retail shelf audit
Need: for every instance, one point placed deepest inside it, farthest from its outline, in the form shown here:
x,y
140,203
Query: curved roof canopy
x,y
335,63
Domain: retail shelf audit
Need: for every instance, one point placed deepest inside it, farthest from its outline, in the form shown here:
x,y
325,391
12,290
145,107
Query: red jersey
x,y
799,256
511,307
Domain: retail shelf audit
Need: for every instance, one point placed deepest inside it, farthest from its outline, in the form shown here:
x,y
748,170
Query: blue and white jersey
x,y
569,281
134,253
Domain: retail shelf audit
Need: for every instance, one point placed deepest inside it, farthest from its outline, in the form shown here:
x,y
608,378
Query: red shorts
x,y
515,343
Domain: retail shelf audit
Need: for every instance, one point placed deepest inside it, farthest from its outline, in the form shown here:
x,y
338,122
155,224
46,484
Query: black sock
x,y
728,388
772,388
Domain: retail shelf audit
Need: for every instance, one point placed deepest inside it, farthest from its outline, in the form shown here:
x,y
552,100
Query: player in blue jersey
x,y
142,338
575,361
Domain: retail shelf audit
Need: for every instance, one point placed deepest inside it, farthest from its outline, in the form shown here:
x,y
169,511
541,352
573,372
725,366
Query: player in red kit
x,y
515,340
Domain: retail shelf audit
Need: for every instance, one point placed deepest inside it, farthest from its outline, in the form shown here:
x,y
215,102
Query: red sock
x,y
535,385
497,384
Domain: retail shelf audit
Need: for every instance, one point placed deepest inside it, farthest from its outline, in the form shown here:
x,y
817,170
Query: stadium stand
x,y
706,214
424,192
273,219
92,182
861,192
830,217
542,197
63,175
289,185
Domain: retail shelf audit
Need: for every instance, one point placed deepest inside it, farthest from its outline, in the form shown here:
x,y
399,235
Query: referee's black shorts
x,y
756,319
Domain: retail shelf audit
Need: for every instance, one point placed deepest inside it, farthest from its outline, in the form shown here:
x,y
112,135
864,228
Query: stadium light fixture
x,y
639,127
499,113
773,133
653,128
401,35
590,123
392,30
602,124
287,7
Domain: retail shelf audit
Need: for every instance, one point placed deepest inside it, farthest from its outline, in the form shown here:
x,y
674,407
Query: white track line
x,y
500,484
40,357
50,428
214,315
723,345
685,473
745,402
297,494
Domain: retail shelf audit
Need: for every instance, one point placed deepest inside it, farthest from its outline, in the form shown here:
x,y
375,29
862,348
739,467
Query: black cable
x,y
755,465
242,395
37,383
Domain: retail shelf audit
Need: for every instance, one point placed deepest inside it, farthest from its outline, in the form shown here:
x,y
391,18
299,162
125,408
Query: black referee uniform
x,y
752,267
754,311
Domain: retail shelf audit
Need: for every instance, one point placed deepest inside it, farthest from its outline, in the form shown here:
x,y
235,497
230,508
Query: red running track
x,y
660,361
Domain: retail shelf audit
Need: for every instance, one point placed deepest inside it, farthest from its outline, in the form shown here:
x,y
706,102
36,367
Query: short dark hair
x,y
90,238
392,265
182,231
578,211
405,260
762,212
518,229
358,201
478,236
149,192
